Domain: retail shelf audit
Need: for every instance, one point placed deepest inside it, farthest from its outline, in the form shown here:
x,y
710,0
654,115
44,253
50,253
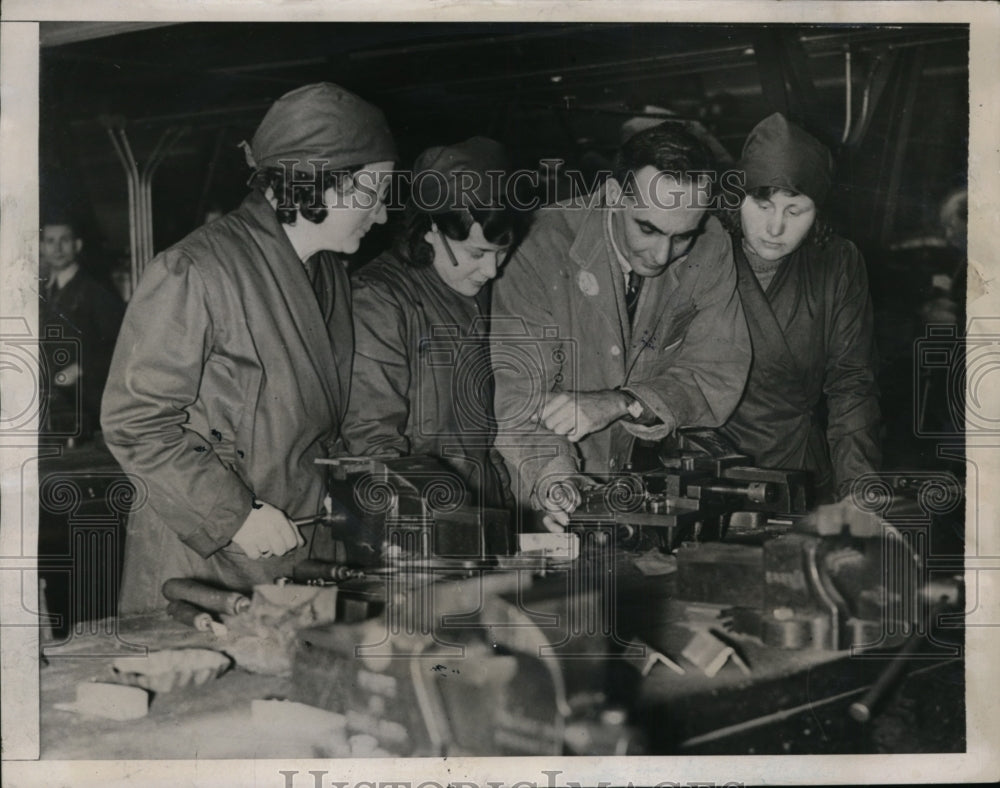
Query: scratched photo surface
x,y
428,628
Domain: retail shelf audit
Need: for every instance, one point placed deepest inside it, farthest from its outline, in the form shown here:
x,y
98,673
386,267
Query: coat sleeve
x,y
379,408
156,372
700,382
526,361
853,418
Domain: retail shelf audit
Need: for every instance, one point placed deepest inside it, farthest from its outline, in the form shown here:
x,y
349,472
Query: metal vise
x,y
702,489
414,508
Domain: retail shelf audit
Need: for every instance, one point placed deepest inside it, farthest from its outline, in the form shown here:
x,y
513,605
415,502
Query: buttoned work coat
x,y
230,377
560,324
422,382
811,401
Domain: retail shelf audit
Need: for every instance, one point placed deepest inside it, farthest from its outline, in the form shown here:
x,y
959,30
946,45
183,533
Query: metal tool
x,y
216,600
321,572
703,487
187,613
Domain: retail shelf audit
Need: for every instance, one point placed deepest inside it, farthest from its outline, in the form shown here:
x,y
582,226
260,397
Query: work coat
x,y
422,381
560,324
813,351
230,377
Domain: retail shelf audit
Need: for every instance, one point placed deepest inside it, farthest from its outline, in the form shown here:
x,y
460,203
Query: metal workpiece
x,y
700,486
216,600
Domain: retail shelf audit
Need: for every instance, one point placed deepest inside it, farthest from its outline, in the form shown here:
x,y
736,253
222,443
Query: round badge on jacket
x,y
587,283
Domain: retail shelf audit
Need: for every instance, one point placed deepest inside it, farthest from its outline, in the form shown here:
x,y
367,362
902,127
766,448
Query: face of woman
x,y
465,266
775,226
353,210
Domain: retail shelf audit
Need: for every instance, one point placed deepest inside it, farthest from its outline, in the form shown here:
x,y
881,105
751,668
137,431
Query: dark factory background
x,y
545,90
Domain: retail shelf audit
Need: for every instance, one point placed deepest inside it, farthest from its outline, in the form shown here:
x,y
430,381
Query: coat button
x,y
615,350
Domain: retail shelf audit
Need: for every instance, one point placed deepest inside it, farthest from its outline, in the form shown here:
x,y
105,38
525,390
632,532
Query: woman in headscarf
x,y
231,373
811,401
422,381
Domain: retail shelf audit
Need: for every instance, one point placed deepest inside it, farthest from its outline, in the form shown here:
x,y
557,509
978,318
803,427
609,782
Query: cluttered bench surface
x,y
293,682
699,607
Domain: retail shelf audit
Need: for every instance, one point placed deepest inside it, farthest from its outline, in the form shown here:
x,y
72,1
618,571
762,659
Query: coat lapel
x,y
770,345
293,295
598,268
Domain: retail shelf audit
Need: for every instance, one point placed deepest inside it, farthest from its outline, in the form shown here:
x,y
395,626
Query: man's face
x,y
659,220
354,211
59,246
465,266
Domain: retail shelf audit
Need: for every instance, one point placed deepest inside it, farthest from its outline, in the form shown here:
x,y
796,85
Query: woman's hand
x,y
267,532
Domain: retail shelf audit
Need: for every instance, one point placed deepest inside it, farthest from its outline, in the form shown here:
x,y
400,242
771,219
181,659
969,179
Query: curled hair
x,y
819,234
667,148
298,193
501,227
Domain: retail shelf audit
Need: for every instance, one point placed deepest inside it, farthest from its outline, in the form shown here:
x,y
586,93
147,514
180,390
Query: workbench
x,y
790,702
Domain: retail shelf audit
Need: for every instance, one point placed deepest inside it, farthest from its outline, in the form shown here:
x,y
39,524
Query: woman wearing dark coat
x,y
811,401
422,381
232,370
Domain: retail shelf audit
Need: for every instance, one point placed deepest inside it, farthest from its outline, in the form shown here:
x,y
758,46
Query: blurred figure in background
x,y
80,317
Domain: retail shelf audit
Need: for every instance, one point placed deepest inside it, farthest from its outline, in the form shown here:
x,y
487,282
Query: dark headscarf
x,y
321,123
778,153
439,186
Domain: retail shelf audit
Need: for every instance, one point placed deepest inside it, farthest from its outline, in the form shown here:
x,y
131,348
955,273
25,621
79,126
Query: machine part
x,y
703,485
799,610
326,517
720,573
216,600
707,652
413,507
313,571
798,590
755,492
785,629
564,546
656,658
188,614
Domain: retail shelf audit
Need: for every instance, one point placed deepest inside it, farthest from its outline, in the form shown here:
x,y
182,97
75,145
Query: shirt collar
x,y
62,278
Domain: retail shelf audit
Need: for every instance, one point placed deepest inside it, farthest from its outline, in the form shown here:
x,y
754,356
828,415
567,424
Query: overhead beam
x,y
53,34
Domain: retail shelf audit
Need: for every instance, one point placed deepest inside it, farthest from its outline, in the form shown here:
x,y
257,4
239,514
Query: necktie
x,y
632,291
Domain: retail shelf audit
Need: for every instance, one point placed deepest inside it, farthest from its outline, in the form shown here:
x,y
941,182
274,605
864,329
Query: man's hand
x,y
267,532
559,495
576,414
67,376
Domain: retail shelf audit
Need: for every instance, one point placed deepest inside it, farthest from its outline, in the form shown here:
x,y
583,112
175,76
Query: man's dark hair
x,y
501,227
302,193
61,219
667,148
